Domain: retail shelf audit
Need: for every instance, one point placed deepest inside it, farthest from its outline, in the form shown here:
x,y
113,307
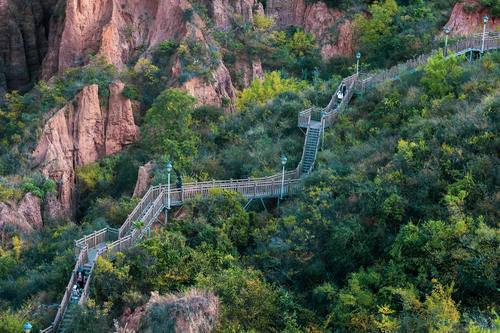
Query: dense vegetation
x,y
396,230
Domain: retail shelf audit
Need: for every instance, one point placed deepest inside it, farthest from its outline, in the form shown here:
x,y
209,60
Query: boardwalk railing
x,y
155,200
473,43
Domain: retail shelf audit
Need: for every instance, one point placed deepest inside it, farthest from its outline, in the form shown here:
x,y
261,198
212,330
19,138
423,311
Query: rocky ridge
x,y
82,132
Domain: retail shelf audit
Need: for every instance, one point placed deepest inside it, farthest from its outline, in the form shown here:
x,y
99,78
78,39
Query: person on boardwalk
x,y
75,295
80,281
178,183
340,96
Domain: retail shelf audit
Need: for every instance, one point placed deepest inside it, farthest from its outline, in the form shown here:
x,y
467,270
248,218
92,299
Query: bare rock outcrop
x,y
24,27
223,11
77,135
251,69
29,208
191,312
11,219
121,130
25,216
333,32
465,21
143,180
212,92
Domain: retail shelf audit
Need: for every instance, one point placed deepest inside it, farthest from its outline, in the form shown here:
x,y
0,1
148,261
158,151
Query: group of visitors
x,y
77,289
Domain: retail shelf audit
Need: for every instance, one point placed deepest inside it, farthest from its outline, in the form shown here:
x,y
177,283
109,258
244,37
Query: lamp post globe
x,y
485,20
323,119
169,169
447,31
283,163
27,327
358,55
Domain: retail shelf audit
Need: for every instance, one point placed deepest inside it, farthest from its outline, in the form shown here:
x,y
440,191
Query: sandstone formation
x,y
464,22
121,130
251,69
143,180
212,93
24,31
24,216
315,18
77,135
29,207
11,219
223,11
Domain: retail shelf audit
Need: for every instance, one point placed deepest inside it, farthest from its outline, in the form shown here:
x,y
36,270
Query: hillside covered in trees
x,y
396,229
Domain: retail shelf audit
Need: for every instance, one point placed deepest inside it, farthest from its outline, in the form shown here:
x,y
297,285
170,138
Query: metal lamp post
x,y
358,55
27,327
323,119
485,20
169,169
447,31
283,163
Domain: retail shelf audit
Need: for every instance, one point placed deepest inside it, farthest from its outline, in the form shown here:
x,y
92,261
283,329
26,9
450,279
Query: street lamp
x,y
169,169
447,31
485,20
27,327
283,163
358,55
323,118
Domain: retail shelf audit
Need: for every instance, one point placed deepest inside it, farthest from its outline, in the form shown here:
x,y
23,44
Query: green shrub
x,y
130,92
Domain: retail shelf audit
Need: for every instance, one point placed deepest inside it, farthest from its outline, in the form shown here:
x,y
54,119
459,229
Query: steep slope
x,y
333,31
82,132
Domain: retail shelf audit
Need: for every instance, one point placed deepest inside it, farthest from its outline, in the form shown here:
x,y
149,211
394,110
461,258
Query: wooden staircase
x,y
109,241
311,149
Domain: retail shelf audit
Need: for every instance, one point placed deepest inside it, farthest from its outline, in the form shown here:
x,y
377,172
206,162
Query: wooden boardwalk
x,y
108,241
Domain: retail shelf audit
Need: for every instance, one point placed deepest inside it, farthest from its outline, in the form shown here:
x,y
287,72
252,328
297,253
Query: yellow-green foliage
x,y
299,44
10,188
261,23
92,174
379,24
267,88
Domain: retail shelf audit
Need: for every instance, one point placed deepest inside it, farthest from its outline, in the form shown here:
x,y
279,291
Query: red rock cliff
x,y
467,18
80,133
333,32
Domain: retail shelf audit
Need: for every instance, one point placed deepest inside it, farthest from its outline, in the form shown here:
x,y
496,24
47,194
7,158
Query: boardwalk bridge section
x,y
109,241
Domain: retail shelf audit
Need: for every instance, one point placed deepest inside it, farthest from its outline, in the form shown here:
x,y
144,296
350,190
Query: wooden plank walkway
x,y
108,241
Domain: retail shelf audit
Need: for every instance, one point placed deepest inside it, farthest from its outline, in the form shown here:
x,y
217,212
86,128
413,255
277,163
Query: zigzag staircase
x,y
108,241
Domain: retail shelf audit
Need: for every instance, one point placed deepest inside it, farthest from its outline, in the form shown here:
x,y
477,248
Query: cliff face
x,y
333,32
24,30
23,216
463,22
80,133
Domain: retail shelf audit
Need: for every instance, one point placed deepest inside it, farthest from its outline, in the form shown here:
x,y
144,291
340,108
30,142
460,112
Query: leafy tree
x,y
260,91
379,24
442,75
167,127
247,302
